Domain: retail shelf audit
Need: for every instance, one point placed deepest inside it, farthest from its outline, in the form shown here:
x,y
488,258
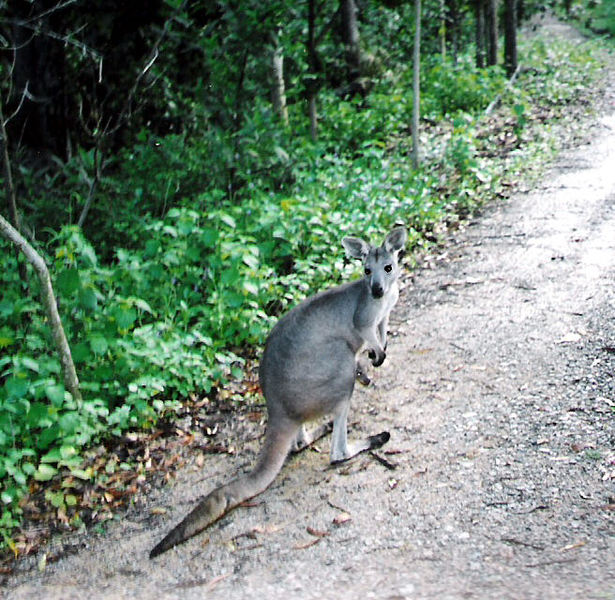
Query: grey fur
x,y
308,370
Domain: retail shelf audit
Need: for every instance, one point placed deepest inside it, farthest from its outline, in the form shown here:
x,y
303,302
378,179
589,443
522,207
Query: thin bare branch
x,y
51,10
25,94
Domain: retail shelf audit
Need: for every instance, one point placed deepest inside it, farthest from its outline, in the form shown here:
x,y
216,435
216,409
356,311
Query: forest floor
x,y
499,478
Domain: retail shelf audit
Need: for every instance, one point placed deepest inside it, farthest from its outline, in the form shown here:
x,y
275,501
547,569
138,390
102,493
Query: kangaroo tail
x,y
222,500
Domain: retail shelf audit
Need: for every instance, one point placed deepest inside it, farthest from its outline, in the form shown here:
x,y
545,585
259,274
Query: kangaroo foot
x,y
373,442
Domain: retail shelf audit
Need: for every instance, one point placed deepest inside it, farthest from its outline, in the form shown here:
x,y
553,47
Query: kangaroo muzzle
x,y
377,290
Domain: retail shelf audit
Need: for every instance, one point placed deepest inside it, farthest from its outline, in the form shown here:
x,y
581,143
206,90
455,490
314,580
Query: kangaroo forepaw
x,y
378,440
377,360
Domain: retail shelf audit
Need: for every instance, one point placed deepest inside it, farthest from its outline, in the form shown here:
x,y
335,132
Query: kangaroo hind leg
x,y
341,449
306,438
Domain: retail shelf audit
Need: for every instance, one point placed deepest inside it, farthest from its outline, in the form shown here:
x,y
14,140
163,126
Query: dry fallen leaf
x,y
316,532
572,546
342,518
307,544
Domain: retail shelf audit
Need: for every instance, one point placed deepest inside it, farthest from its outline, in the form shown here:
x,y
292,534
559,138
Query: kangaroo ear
x,y
396,239
356,247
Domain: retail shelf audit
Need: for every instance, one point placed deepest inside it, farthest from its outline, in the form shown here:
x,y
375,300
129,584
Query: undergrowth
x,y
187,282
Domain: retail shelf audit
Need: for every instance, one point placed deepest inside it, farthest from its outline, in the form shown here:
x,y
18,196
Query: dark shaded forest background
x,y
185,170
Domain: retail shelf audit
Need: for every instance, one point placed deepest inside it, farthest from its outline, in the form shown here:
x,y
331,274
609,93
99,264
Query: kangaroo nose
x,y
377,291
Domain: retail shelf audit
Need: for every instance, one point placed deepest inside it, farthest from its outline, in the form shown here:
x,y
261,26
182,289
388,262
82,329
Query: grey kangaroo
x,y
308,370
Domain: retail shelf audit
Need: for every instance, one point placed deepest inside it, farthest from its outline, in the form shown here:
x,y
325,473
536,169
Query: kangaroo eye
x,y
368,271
388,268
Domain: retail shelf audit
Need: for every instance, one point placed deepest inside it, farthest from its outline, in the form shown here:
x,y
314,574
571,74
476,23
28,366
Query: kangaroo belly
x,y
306,381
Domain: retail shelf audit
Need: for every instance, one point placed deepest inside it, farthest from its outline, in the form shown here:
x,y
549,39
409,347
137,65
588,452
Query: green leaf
x,y
69,281
28,468
53,456
68,423
20,477
45,472
125,317
87,299
55,394
6,308
81,352
47,436
99,344
56,499
230,276
142,305
38,415
151,248
16,388
30,363
84,474
209,237
225,218
250,287
6,340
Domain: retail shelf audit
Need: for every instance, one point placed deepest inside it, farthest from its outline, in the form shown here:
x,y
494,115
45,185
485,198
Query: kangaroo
x,y
308,370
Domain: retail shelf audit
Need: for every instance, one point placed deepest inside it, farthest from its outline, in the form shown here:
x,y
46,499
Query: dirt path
x,y
499,393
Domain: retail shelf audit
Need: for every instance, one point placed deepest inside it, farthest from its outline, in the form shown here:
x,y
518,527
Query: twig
x,y
522,543
546,563
209,584
498,98
383,461
336,507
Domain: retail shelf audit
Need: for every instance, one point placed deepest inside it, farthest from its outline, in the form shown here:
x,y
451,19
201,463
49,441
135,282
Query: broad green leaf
x,y
69,281
125,317
45,472
47,436
250,287
209,237
20,477
16,388
38,415
53,456
87,298
226,218
30,363
68,424
84,474
6,340
81,352
6,308
55,394
99,344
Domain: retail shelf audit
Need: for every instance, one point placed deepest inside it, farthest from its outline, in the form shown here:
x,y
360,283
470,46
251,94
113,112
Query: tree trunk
x,y
510,37
492,32
313,117
279,88
442,32
416,85
454,26
481,45
10,191
315,67
71,382
350,37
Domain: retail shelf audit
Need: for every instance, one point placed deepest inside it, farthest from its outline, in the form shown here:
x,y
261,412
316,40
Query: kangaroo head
x,y
380,264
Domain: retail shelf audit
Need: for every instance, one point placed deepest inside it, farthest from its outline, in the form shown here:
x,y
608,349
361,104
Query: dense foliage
x,y
210,216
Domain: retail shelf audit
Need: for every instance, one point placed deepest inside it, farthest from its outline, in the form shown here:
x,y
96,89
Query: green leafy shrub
x,y
177,276
449,88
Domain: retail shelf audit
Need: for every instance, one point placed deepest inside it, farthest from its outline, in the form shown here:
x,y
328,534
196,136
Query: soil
x,y
499,478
